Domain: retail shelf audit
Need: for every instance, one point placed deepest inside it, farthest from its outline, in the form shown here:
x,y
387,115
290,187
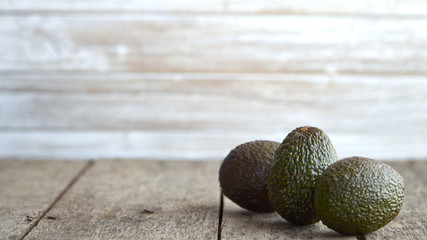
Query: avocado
x,y
299,161
357,195
243,174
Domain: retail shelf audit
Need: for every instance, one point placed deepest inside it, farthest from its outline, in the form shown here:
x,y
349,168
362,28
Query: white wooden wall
x,y
166,79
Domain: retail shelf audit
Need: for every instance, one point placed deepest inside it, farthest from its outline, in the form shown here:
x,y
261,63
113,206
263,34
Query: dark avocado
x,y
357,195
299,161
243,174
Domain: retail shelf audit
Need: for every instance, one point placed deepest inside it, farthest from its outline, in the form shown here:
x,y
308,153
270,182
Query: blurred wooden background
x,y
166,79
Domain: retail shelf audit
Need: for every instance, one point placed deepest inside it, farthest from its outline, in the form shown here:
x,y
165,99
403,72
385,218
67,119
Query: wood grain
x,y
131,199
263,102
204,115
410,223
27,189
213,43
186,145
409,7
137,200
224,69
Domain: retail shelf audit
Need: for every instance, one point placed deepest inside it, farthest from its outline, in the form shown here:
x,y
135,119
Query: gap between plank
x,y
361,237
34,223
221,212
58,11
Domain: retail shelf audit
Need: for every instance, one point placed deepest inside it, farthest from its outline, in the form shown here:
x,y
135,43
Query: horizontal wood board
x,y
261,102
409,7
213,43
205,115
184,145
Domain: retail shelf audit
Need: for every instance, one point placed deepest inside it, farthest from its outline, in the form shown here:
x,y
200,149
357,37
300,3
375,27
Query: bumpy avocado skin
x,y
357,195
243,174
299,162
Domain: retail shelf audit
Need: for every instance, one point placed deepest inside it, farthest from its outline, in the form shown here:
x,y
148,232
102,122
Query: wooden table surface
x,y
139,199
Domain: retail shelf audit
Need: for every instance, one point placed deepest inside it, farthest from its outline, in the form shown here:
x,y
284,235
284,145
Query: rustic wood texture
x,y
410,224
187,145
364,104
156,42
129,199
409,7
137,200
203,116
203,78
27,190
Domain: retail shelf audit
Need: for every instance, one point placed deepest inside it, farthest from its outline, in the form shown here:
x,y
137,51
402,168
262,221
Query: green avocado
x,y
357,195
243,174
299,161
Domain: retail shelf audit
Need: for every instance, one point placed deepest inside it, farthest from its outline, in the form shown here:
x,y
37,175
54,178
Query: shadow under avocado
x,y
273,224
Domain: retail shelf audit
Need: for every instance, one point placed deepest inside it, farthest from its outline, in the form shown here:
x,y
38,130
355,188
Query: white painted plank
x,y
190,145
213,43
203,116
253,6
269,103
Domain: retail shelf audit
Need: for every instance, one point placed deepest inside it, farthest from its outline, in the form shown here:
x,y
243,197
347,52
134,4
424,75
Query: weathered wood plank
x,y
186,145
176,145
263,102
203,116
410,224
27,189
138,200
410,7
213,43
